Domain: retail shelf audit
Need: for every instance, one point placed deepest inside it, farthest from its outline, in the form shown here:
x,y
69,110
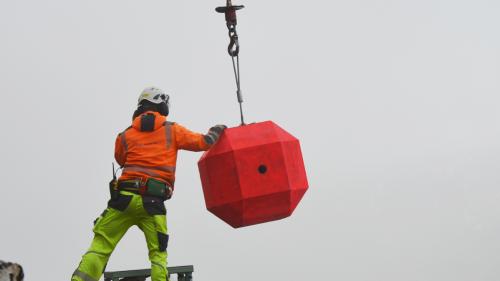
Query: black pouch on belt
x,y
113,189
156,188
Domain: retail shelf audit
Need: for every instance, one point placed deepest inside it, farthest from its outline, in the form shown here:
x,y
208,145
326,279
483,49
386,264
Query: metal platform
x,y
184,273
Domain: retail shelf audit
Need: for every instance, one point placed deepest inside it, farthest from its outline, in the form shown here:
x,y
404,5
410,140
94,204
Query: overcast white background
x,y
396,104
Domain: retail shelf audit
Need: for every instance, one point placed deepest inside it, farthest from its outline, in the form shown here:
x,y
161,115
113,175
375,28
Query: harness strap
x,y
136,186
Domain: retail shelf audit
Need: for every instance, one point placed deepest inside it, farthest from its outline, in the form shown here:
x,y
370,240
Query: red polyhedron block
x,y
253,174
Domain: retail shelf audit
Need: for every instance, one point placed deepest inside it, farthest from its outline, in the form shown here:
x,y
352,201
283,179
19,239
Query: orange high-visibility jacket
x,y
148,149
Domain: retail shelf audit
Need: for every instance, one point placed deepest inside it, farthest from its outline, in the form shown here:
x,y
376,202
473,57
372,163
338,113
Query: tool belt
x,y
152,187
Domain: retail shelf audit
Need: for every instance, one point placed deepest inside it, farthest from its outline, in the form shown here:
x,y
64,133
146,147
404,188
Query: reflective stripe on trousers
x,y
84,276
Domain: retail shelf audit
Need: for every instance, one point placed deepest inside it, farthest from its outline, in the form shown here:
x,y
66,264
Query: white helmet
x,y
153,95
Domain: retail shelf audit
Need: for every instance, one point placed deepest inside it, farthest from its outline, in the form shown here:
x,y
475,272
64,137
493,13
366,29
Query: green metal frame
x,y
184,273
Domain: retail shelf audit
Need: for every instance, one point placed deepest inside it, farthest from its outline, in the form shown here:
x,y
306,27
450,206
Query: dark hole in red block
x,y
262,169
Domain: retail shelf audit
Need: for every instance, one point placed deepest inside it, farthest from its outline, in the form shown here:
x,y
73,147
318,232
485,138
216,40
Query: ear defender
x,y
163,109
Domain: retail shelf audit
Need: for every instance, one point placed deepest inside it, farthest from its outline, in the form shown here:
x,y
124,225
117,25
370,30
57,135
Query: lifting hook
x,y
230,11
234,47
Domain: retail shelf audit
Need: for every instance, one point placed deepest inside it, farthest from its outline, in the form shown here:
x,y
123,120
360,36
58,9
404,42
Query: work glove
x,y
214,133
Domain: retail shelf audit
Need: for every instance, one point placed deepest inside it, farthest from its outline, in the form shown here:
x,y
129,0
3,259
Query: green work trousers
x,y
128,209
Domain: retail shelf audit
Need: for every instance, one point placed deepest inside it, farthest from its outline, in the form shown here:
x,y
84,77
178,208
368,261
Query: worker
x,y
147,152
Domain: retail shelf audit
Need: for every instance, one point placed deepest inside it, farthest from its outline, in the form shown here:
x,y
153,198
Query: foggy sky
x,y
396,104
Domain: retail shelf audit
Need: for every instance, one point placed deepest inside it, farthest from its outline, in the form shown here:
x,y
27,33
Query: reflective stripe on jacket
x,y
149,147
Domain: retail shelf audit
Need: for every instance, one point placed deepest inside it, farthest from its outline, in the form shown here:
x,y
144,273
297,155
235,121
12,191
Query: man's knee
x,y
159,258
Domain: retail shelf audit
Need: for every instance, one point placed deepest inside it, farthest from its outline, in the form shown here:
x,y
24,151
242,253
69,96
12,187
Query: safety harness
x,y
151,187
148,186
